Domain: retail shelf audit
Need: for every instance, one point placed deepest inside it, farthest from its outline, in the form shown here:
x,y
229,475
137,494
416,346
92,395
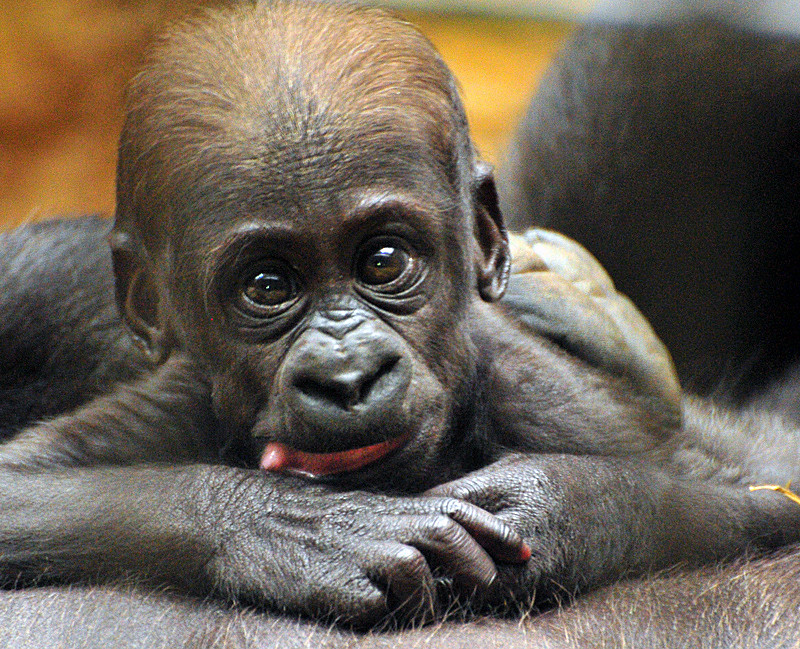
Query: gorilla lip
x,y
281,458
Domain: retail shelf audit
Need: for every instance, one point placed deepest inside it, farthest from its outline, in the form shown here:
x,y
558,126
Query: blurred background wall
x,y
64,65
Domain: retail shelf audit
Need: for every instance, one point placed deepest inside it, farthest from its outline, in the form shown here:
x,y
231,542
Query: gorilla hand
x,y
559,290
583,523
354,557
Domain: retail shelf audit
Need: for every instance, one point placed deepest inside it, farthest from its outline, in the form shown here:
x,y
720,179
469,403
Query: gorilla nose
x,y
350,388
343,391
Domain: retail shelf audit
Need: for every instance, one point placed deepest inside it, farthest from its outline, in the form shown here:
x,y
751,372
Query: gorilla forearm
x,y
101,523
274,541
589,520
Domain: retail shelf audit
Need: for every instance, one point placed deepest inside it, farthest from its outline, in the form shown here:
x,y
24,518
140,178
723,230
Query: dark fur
x,y
750,605
157,479
58,351
672,154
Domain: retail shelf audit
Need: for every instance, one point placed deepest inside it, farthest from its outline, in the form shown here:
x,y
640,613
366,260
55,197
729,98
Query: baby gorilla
x,y
340,415
308,220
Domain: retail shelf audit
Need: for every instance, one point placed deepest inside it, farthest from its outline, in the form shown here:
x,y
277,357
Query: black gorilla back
x,y
62,344
673,154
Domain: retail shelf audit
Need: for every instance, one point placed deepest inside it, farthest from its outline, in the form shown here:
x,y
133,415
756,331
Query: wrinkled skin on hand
x,y
540,498
357,557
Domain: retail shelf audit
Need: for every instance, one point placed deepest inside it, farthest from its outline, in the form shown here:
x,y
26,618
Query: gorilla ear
x,y
493,259
138,298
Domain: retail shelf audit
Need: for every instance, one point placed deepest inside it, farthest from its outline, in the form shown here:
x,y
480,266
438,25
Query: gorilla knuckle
x,y
441,527
410,560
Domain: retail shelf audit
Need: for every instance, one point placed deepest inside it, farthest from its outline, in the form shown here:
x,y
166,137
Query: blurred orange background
x,y
64,65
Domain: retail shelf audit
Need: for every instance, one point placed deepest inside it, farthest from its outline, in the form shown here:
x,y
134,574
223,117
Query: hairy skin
x,y
675,149
312,259
748,606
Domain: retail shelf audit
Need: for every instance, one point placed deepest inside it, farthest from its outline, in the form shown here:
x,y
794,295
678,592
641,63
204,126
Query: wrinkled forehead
x,y
269,96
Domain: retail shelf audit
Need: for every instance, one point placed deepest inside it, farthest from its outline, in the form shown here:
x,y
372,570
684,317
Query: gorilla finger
x,y
606,331
569,259
364,613
345,598
404,573
466,502
468,489
451,550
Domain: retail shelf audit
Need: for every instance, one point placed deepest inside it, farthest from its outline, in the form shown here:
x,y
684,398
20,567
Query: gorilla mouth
x,y
281,458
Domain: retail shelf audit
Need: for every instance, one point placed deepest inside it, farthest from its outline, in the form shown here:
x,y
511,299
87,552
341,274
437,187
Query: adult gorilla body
x,y
311,201
673,149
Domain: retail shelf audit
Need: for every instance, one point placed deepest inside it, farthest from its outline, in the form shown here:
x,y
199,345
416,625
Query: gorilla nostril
x,y
341,390
346,389
373,383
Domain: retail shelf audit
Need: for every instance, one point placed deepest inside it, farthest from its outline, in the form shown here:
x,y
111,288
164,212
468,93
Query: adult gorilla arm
x,y
560,291
753,602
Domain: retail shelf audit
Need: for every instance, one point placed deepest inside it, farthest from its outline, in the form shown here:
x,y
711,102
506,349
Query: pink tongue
x,y
279,457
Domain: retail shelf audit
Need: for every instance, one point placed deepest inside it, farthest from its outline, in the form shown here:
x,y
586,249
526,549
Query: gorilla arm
x,y
71,512
589,518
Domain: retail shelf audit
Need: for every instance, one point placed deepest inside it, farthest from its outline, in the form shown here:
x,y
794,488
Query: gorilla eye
x,y
382,264
268,289
265,288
